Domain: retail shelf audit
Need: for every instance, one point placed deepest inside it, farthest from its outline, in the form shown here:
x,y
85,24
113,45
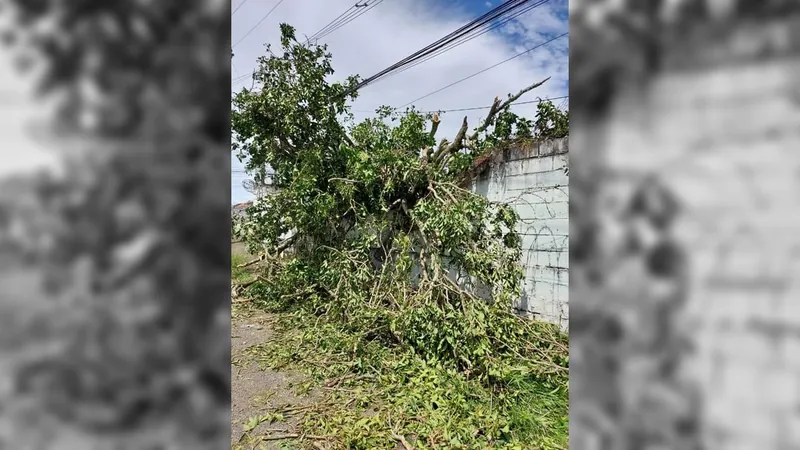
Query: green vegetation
x,y
239,273
396,297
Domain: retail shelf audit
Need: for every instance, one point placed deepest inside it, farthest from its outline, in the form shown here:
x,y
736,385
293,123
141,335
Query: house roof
x,y
240,208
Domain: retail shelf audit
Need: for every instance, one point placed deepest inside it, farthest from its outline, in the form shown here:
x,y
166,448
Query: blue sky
x,y
395,28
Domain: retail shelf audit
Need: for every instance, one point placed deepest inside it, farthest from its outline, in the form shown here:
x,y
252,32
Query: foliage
x,y
551,122
387,245
374,394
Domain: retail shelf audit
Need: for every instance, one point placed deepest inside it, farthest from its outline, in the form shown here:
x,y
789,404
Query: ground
x,y
302,381
257,391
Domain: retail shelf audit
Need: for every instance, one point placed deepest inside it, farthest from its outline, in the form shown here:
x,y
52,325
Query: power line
x,y
259,23
486,69
351,14
343,19
241,77
468,38
360,13
326,27
493,14
469,31
475,108
237,8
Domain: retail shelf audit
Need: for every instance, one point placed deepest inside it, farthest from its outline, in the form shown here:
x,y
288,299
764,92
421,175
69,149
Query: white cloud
x,y
395,29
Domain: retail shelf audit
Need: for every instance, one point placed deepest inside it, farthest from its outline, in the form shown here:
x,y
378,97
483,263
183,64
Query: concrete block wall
x,y
726,140
534,179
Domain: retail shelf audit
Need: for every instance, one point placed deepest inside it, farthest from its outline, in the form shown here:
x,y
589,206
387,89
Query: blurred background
x,y
683,224
114,224
114,192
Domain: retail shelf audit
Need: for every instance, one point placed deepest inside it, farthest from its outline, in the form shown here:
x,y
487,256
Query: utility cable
x,y
468,38
331,23
361,12
343,19
237,8
476,108
486,69
348,16
498,11
257,24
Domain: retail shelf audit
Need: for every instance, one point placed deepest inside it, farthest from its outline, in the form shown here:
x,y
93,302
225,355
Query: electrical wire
x,y
493,14
360,12
476,108
330,24
343,19
257,24
237,8
437,46
468,38
486,69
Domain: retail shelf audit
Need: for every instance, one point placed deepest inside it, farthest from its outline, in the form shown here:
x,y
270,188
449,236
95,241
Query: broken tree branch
x,y
435,125
455,145
286,244
498,107
519,94
254,261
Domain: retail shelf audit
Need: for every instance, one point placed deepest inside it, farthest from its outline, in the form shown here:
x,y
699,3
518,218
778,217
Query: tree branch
x,y
286,243
455,145
519,94
435,125
286,147
403,442
498,107
251,262
489,118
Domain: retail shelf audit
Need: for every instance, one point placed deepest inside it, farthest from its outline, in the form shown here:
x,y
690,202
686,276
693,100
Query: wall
x,y
725,139
535,180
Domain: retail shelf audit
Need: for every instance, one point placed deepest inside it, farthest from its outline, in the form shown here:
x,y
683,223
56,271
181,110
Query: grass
x,y
240,274
376,397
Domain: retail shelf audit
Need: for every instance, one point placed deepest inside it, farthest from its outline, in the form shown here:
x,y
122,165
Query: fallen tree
x,y
386,239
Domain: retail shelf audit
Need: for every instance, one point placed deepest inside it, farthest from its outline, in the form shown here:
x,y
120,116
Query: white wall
x,y
535,180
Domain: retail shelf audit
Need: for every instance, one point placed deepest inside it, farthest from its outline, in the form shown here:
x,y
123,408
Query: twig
x,y
248,284
403,441
255,261
279,437
346,180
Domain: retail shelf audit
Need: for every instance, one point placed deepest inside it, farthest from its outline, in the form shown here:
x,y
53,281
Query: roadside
x,y
302,375
261,398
